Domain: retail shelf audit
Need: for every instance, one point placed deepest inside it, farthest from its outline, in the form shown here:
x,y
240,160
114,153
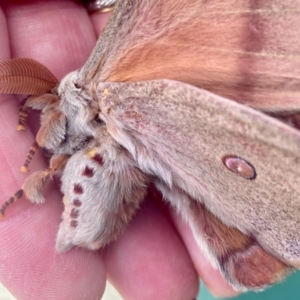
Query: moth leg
x,y
18,195
34,184
23,114
242,261
102,190
32,150
33,103
52,131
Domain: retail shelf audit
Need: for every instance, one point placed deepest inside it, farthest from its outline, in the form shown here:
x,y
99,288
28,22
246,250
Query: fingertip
x,y
56,38
99,19
31,267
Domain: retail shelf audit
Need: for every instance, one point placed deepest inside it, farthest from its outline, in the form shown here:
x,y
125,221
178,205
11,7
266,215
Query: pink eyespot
x,y
239,166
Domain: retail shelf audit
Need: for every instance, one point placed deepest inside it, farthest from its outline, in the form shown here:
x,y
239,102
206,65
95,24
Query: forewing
x,y
183,135
244,50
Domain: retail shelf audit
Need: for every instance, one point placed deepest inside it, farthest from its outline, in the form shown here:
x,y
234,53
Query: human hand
x,y
156,258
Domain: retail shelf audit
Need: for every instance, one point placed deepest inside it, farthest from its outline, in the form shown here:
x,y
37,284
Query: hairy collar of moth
x,y
77,104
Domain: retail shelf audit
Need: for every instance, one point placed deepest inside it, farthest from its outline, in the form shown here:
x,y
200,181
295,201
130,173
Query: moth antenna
x,y
29,157
18,195
25,76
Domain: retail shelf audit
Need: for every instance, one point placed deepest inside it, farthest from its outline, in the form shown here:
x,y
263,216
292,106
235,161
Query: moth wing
x,y
182,134
243,50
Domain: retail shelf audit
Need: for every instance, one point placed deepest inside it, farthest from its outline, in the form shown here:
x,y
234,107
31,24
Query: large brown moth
x,y
200,98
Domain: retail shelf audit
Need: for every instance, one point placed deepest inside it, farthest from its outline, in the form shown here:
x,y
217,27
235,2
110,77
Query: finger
x,y
57,33
29,265
99,19
150,261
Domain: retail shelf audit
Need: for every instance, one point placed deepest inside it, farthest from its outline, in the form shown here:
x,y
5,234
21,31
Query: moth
x,y
200,99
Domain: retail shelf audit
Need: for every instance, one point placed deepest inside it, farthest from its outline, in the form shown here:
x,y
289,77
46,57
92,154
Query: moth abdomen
x,y
105,188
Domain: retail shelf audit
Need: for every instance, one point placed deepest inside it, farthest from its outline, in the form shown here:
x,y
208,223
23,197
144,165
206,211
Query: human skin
x,y
155,258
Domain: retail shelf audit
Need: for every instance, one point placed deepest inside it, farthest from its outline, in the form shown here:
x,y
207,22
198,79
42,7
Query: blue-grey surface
x,y
289,289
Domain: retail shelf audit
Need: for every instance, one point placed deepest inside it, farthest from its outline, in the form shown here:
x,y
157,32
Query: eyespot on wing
x,y
239,166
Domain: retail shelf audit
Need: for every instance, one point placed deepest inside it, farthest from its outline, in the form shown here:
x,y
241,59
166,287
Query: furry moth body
x,y
139,111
